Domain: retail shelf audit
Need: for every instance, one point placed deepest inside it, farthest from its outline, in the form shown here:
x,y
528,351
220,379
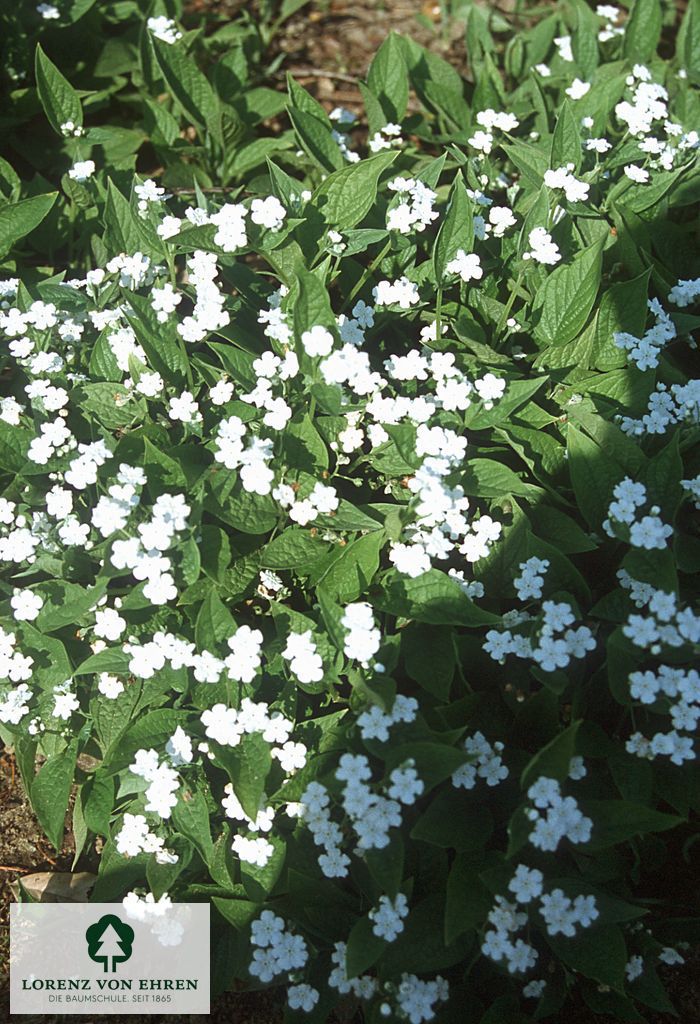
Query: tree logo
x,y
109,939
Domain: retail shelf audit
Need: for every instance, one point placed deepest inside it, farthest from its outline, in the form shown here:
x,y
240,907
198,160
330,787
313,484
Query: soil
x,y
328,50
327,47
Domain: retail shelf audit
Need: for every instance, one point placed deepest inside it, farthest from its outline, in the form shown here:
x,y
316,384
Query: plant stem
x,y
366,275
509,304
438,312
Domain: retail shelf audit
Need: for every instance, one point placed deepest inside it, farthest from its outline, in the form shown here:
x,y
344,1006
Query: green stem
x,y
438,312
366,275
509,304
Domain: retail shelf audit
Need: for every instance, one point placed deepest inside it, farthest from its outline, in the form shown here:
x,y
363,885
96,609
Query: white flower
x,y
26,605
222,392
467,265
109,686
244,661
184,408
317,341
410,559
268,212
179,748
65,702
542,248
636,174
305,662
501,218
362,638
526,884
578,89
82,170
109,625
164,28
562,178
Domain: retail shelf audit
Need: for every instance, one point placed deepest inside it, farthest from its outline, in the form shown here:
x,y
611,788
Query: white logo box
x,y
97,958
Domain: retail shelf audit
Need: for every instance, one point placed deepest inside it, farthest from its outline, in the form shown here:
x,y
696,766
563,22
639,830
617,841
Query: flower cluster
x,y
345,472
644,352
650,531
387,918
277,950
561,819
485,763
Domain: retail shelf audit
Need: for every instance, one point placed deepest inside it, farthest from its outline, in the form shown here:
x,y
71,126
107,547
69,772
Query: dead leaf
x,y
55,886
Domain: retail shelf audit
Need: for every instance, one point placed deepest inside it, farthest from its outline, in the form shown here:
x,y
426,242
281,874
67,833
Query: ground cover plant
x,y
351,474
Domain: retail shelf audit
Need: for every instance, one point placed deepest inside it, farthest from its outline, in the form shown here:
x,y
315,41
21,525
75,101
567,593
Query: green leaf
x,y
97,801
688,47
64,603
643,30
303,446
560,530
623,307
433,597
162,471
567,297
616,821
353,569
592,475
110,660
517,393
302,100
468,900
259,882
386,866
429,657
566,141
153,729
111,404
161,343
50,792
294,548
191,817
454,821
363,948
421,947
316,140
531,162
247,512
124,231
456,230
113,716
434,762
18,219
554,760
312,306
598,953
584,41
239,913
486,478
14,443
662,475
215,624
388,78
103,363
189,86
59,99
346,196
248,765
80,832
